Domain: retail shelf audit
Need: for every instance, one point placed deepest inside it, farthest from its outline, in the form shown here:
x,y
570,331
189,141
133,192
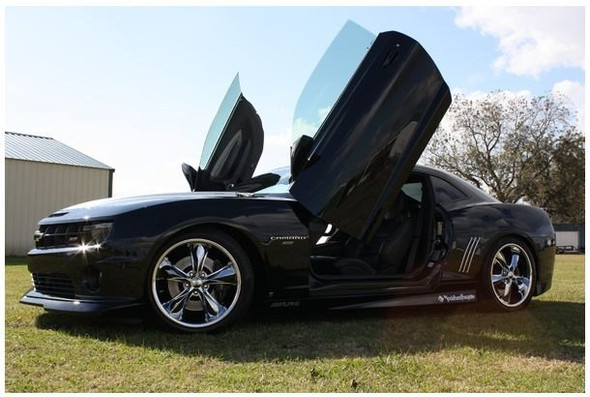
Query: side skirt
x,y
439,298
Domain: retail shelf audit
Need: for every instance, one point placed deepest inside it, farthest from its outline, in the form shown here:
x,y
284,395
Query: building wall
x,y
34,190
565,234
568,238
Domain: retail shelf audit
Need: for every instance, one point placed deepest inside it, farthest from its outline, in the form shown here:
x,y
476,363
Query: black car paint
x,y
479,215
493,221
278,232
275,230
140,230
365,150
237,152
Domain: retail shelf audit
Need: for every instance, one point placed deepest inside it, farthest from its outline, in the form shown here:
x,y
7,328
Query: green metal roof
x,y
46,150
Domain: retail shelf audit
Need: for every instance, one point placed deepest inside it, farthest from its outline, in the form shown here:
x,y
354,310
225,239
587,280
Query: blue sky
x,y
137,87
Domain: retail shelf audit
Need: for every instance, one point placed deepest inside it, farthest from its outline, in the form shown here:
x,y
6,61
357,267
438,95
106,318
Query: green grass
x,y
452,349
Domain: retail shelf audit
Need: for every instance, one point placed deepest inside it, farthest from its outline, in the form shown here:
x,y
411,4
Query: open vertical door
x,y
372,137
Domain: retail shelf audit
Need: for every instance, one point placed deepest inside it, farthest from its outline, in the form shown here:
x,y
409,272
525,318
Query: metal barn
x,y
570,237
43,175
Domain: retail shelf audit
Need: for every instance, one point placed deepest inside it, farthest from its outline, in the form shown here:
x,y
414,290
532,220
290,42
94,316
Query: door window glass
x,y
221,118
444,191
329,78
414,190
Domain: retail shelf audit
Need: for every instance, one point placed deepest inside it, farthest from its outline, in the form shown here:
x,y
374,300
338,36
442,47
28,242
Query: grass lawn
x,y
456,349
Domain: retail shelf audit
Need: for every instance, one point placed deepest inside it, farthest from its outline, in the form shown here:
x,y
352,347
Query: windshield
x,y
329,78
222,117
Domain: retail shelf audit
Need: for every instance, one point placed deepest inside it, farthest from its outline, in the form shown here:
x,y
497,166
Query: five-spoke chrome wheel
x,y
511,275
197,282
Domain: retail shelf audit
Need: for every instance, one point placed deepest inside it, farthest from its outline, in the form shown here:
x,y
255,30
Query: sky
x,y
137,87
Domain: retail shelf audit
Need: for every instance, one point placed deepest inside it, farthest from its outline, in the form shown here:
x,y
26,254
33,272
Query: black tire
x,y
200,282
509,275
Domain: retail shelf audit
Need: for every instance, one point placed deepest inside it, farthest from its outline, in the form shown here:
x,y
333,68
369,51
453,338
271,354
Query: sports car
x,y
353,222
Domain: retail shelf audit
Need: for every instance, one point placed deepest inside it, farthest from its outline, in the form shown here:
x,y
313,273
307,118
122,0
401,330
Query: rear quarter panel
x,y
477,227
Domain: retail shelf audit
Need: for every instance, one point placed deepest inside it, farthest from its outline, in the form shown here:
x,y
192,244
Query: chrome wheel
x,y
195,284
511,275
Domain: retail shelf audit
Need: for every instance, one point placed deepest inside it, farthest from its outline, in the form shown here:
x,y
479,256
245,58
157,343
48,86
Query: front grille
x,y
54,284
61,235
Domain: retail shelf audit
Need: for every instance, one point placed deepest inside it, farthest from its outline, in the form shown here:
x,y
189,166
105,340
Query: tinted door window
x,y
444,191
414,190
221,119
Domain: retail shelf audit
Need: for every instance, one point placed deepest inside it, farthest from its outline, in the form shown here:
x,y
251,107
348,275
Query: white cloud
x,y
506,94
532,40
574,94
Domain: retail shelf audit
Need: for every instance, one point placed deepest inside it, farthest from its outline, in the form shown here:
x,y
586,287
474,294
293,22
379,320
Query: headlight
x,y
97,233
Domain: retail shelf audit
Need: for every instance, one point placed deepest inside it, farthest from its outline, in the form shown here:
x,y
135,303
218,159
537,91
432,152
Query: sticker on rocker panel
x,y
454,298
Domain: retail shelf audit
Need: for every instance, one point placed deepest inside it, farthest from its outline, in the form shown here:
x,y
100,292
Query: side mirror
x,y
257,183
299,154
191,175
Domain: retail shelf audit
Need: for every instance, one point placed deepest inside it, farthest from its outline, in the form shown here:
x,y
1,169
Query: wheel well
x,y
248,245
242,239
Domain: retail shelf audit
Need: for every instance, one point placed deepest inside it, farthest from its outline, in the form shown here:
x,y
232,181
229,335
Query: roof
x,y
46,150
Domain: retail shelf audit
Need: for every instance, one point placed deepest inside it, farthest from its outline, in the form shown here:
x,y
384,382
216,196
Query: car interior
x,y
409,237
407,241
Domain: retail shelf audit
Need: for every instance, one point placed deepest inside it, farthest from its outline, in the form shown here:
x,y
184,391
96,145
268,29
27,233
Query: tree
x,y
563,196
517,148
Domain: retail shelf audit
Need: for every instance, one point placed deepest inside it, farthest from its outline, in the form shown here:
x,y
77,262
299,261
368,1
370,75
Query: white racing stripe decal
x,y
469,254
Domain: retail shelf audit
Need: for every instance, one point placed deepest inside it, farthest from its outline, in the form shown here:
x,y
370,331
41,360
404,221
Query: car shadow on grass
x,y
553,330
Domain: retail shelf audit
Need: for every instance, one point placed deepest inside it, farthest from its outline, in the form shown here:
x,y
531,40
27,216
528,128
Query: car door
x,y
373,136
233,144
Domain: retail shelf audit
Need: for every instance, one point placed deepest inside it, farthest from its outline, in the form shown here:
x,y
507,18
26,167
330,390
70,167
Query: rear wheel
x,y
510,275
201,282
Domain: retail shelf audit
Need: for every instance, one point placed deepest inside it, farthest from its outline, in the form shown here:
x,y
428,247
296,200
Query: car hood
x,y
110,207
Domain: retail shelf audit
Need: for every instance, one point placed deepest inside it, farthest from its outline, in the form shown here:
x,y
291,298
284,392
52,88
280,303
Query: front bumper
x,y
90,280
83,305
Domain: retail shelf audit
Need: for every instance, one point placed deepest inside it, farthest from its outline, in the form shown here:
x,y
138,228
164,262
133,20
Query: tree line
x,y
517,148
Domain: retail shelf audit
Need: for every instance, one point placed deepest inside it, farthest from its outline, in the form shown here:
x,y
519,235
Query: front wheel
x,y
510,275
201,282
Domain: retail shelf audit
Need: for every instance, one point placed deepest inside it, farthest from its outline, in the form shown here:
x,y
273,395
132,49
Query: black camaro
x,y
352,223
